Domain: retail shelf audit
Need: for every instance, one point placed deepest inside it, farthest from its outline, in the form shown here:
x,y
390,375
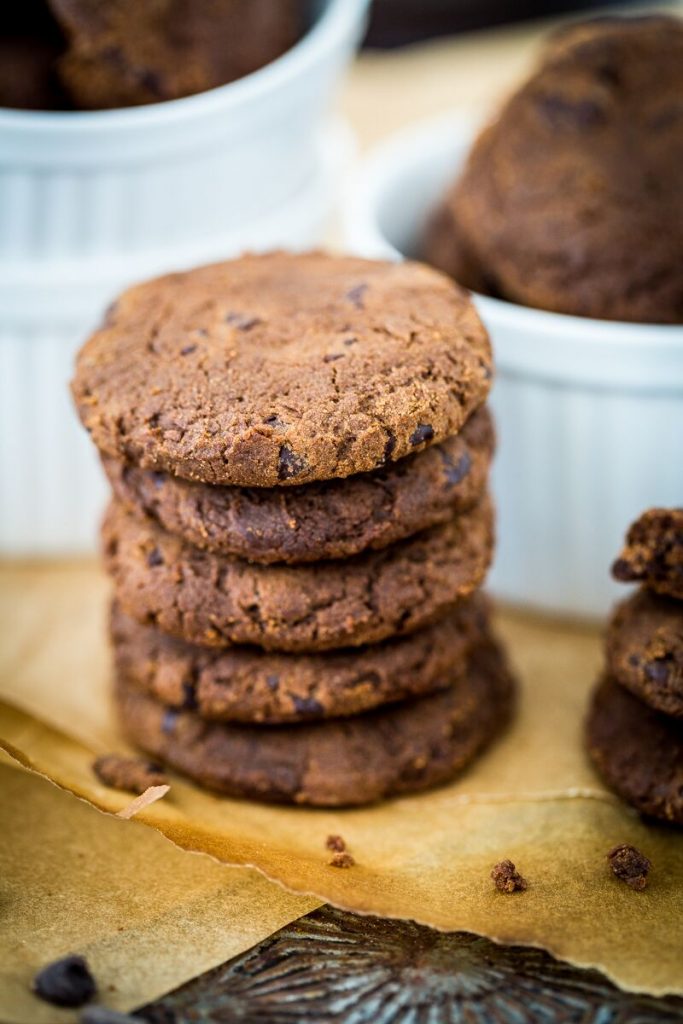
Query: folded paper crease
x,y
75,880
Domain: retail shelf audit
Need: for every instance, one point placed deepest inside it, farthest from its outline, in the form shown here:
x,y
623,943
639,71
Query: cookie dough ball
x,y
572,199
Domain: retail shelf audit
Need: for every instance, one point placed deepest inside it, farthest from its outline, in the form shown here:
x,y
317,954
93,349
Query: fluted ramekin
x,y
589,412
86,184
93,201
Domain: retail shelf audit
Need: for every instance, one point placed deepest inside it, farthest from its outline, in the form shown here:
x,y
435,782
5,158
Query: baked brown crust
x,y
123,53
402,748
645,650
571,199
217,601
244,684
282,369
653,554
327,520
638,751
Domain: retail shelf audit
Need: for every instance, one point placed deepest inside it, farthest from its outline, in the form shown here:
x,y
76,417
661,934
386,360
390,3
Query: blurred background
x,y
133,143
399,22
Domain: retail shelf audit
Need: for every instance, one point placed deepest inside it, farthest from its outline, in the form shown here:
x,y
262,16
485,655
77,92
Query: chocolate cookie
x,y
244,684
398,749
645,650
638,751
332,519
217,601
571,200
283,369
122,52
653,554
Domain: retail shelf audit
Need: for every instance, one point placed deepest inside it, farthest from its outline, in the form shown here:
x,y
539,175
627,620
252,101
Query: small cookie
x,y
653,554
243,684
331,519
122,53
638,751
645,650
216,601
399,749
571,199
281,369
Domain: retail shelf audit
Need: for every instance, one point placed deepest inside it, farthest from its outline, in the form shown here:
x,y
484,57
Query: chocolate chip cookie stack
x,y
635,725
298,448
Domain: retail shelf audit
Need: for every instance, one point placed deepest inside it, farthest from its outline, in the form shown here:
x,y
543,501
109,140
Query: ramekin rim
x,y
559,323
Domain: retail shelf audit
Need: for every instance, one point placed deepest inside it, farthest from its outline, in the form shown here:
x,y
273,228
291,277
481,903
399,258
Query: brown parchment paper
x,y
534,798
146,915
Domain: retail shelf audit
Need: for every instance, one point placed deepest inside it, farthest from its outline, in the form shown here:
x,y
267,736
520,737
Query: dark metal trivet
x,y
336,967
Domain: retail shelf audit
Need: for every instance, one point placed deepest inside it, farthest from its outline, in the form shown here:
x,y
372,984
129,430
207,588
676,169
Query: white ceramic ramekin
x,y
93,201
52,489
93,183
589,412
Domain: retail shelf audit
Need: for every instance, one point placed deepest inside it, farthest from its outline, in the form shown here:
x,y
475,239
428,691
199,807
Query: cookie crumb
x,y
335,843
65,982
507,878
341,860
130,773
629,865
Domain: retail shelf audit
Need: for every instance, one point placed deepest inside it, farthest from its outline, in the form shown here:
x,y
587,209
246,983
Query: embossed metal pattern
x,y
332,967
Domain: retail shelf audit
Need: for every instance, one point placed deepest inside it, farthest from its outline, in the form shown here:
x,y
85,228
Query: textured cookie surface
x,y
244,684
283,369
123,53
638,751
653,554
214,600
645,650
398,749
332,519
572,200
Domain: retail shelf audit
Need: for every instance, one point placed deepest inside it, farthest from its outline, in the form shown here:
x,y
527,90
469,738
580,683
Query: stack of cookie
x,y
299,448
635,726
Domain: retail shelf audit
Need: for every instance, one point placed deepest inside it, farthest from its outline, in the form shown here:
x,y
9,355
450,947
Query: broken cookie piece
x,y
130,773
653,553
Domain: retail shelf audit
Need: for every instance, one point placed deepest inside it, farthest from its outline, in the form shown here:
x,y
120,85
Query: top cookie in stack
x,y
298,450
281,369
